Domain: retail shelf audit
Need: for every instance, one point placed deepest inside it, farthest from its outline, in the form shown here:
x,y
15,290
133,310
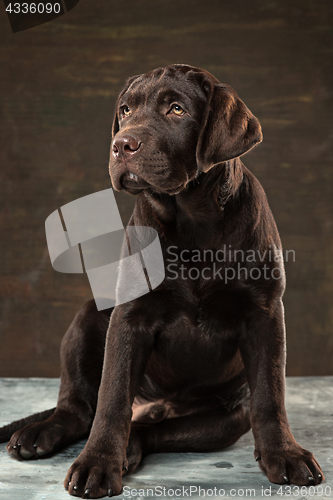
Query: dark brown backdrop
x,y
58,87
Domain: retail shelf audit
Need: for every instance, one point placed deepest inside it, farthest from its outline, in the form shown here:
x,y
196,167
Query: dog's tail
x,y
7,431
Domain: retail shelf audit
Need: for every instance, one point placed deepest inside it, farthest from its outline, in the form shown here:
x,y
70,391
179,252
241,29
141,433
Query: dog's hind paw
x,y
34,441
42,438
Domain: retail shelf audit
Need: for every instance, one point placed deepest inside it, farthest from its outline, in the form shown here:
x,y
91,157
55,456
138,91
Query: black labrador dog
x,y
198,361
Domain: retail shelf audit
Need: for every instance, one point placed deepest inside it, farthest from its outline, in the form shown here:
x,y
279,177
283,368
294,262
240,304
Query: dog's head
x,y
172,123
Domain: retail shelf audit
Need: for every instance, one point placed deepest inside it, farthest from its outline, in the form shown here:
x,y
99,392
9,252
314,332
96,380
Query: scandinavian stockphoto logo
x,y
24,14
87,235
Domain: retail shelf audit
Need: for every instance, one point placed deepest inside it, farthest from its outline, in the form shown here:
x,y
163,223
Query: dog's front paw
x,y
290,465
95,475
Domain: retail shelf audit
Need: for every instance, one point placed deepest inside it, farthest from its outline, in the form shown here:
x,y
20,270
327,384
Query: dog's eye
x,y
177,110
126,111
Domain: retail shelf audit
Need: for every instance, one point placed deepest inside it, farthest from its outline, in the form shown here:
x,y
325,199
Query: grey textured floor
x,y
234,470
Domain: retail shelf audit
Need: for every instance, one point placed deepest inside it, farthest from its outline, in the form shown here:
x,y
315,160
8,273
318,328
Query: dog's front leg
x,y
262,346
97,472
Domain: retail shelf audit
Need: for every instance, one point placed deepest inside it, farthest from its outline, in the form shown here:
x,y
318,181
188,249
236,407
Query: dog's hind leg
x,y
202,432
81,353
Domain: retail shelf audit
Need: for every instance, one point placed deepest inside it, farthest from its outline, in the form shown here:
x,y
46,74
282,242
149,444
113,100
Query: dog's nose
x,y
125,145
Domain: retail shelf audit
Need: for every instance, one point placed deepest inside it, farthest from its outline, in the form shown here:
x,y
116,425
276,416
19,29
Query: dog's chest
x,y
193,349
209,309
200,331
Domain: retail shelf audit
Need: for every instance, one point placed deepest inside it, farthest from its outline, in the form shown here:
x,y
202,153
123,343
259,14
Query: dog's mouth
x,y
133,183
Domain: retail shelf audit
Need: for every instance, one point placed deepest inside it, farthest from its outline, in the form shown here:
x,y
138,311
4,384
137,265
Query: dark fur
x,y
196,361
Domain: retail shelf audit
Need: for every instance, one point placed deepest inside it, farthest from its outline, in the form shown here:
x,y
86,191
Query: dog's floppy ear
x,y
228,130
115,124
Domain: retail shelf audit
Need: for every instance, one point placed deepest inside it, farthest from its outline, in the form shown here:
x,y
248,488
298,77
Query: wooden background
x,y
59,82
